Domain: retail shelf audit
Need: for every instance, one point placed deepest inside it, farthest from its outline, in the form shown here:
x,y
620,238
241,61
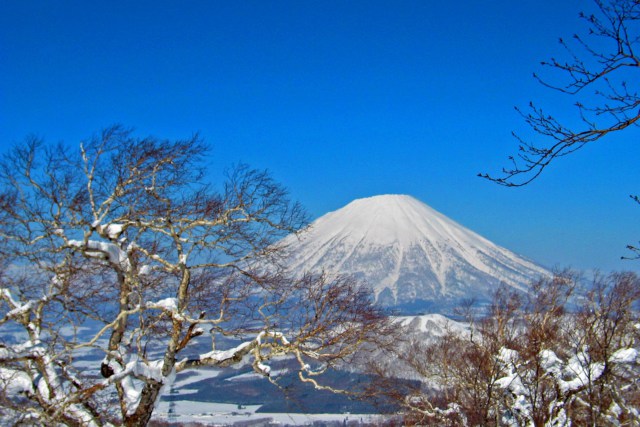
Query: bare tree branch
x,y
607,63
125,234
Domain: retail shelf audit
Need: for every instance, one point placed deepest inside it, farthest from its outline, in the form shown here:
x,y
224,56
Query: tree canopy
x,y
121,251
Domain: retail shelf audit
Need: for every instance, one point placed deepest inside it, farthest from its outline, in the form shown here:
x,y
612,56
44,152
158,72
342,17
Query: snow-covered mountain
x,y
408,253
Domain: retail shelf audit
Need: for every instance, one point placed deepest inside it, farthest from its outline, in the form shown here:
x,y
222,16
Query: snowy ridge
x,y
407,251
433,325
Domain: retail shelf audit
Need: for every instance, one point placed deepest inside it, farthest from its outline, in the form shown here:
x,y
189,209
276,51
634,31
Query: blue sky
x,y
338,99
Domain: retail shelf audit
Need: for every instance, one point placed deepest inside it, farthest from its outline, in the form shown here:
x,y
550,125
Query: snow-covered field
x,y
184,406
188,398
227,414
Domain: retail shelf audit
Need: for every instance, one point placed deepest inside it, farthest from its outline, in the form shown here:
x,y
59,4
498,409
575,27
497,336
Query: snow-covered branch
x,y
532,361
122,253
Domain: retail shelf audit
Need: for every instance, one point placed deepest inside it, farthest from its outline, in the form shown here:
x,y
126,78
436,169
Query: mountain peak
x,y
385,199
407,251
394,218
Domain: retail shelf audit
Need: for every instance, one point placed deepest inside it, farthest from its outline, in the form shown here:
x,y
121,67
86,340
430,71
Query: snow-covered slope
x,y
431,326
408,252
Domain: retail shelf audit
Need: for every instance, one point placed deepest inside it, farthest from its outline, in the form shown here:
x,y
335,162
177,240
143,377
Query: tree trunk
x,y
144,411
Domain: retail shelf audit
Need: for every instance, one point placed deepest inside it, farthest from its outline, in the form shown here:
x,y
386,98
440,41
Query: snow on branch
x,y
17,309
167,304
103,250
224,358
218,358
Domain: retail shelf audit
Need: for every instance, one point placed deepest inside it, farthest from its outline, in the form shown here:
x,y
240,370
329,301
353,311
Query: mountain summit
x,y
408,253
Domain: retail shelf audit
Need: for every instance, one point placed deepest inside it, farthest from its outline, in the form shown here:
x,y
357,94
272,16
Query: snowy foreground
x,y
186,407
227,414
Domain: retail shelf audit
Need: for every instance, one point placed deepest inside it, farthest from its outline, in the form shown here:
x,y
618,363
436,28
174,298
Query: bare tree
x,y
605,61
125,238
534,360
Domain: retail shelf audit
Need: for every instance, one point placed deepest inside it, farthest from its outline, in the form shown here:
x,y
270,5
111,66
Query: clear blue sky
x,y
338,99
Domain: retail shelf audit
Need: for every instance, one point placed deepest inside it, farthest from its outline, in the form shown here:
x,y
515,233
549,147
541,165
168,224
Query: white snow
x,y
435,325
551,363
9,296
227,414
98,249
583,371
265,369
579,370
113,230
624,355
20,309
169,304
184,379
512,381
15,382
151,369
251,375
382,239
136,367
219,355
